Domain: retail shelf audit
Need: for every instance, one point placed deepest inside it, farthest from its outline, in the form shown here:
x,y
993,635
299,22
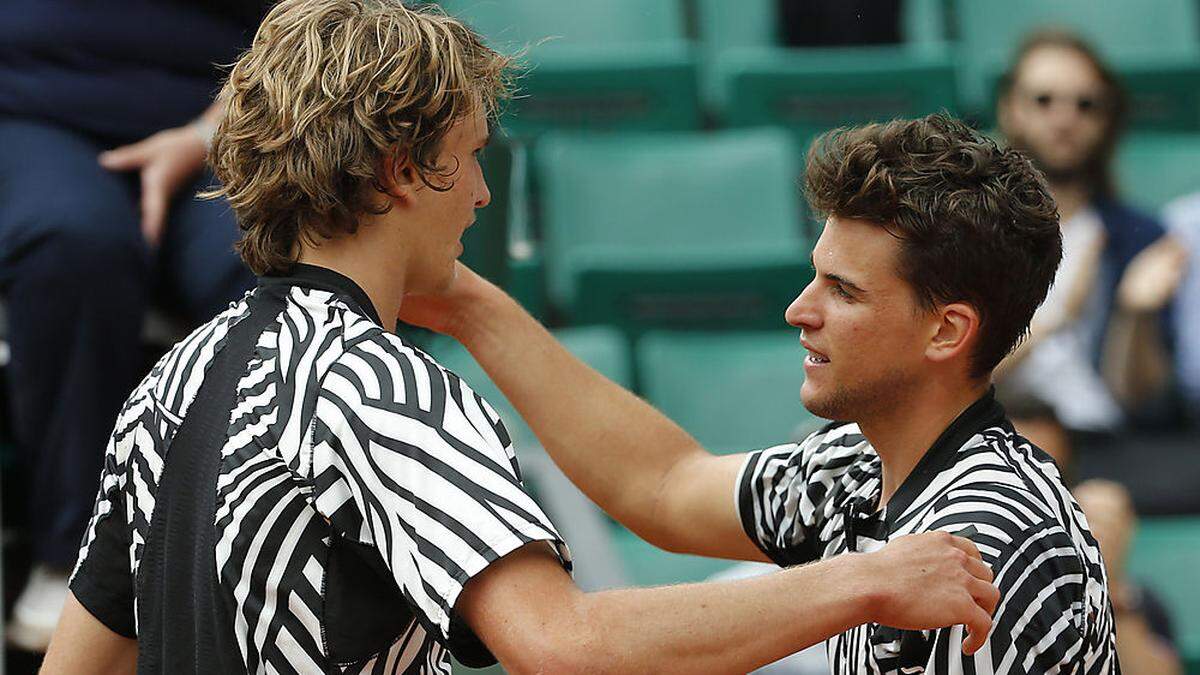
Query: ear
x,y
956,330
398,177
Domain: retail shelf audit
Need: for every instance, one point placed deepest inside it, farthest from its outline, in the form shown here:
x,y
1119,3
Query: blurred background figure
x,y
1182,217
1096,348
104,121
1145,639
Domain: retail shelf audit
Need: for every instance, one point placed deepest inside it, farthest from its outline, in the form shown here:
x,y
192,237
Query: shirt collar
x,y
325,279
982,414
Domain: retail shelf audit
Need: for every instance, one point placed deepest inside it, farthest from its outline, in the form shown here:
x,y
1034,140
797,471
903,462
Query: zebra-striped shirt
x,y
819,498
294,489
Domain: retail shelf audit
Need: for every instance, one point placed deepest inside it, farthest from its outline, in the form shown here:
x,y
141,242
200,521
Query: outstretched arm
x,y
627,457
529,614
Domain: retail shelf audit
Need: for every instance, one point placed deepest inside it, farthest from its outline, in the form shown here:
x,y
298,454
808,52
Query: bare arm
x,y
82,644
530,615
1135,362
627,457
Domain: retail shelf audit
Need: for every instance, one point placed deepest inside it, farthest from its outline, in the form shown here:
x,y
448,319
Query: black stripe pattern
x,y
355,470
817,499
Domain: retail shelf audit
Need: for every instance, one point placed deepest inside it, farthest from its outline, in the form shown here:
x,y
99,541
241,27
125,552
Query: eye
x,y
1043,100
842,292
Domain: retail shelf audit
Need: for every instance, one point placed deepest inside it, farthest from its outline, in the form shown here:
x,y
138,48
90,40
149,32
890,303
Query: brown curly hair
x,y
976,222
327,89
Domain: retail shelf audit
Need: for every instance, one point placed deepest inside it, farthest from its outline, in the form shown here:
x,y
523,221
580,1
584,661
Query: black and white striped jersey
x,y
294,489
819,498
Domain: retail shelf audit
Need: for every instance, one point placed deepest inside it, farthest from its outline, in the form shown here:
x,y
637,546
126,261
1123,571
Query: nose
x,y
803,313
484,196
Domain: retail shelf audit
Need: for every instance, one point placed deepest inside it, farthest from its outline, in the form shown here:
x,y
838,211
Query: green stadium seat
x,y
485,244
694,230
733,391
812,90
601,347
1144,33
1153,169
1166,556
648,565
619,64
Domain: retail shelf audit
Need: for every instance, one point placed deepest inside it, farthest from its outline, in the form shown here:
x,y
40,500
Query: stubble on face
x,y
859,400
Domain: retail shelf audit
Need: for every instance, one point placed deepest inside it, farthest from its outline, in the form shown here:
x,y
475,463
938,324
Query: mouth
x,y
814,357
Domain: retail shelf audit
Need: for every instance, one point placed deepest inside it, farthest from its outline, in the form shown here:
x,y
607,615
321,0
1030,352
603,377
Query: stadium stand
x,y
1165,554
621,64
1154,168
812,90
693,377
1154,35
672,229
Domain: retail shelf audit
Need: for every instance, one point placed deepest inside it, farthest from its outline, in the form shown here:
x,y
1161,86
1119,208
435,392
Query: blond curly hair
x,y
327,89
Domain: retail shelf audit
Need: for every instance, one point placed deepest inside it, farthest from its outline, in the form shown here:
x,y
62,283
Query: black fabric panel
x,y
103,584
359,586
184,625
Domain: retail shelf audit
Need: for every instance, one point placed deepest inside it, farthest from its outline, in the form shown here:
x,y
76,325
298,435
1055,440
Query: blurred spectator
x,y
1145,641
1096,348
104,119
826,23
1183,220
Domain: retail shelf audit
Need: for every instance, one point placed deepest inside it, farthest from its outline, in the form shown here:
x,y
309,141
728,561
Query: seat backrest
x,y
733,391
1165,557
811,90
601,347
666,195
990,32
1154,168
509,24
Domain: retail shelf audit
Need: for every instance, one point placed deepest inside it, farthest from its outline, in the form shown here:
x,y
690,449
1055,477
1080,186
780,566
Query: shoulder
x,y
1001,487
827,445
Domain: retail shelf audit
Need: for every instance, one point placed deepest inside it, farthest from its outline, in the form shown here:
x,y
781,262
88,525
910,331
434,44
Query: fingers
x,y
124,158
978,627
980,569
155,200
966,545
986,595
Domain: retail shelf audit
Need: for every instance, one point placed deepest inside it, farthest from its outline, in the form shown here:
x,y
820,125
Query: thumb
x,y
124,158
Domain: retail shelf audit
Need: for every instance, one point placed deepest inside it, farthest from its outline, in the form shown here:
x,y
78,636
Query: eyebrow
x,y
837,278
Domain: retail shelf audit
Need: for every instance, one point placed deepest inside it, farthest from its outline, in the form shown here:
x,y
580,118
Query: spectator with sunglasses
x,y
1097,352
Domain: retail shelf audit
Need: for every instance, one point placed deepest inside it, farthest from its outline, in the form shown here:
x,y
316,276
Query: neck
x,y
903,434
1071,197
367,263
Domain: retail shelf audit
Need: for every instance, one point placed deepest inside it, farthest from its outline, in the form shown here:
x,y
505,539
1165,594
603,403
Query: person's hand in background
x,y
166,161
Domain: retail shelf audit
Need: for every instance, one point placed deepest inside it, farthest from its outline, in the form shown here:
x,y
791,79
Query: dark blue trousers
x,y
76,278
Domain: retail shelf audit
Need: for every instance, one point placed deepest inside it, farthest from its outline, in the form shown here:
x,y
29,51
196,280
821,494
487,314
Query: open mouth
x,y
814,357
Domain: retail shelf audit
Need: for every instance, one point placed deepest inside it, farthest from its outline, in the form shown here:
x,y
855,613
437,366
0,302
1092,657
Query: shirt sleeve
x,y
774,504
408,459
102,581
1045,621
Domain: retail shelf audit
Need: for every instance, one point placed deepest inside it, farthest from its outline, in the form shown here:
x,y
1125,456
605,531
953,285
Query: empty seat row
x,y
630,64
